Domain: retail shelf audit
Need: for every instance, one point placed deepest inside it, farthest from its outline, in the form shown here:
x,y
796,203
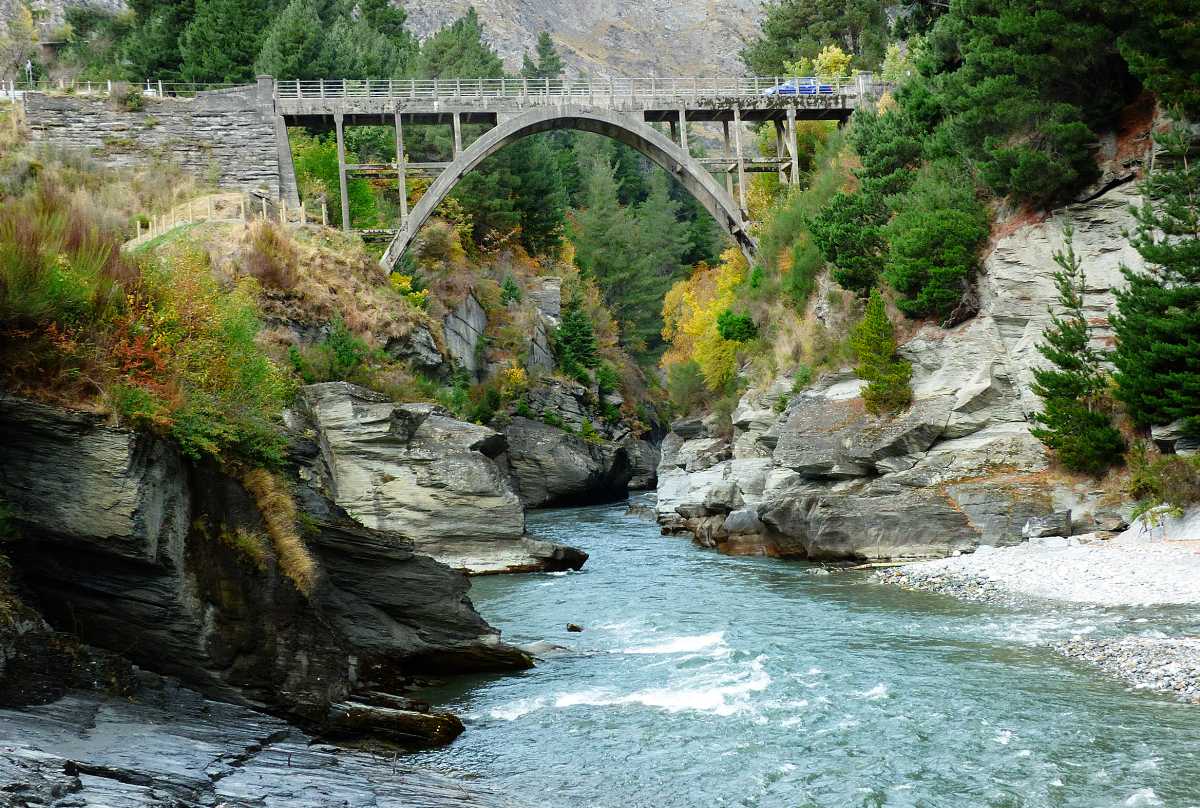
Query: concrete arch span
x,y
630,131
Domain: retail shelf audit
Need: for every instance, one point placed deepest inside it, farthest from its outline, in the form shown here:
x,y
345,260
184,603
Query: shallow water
x,y
705,680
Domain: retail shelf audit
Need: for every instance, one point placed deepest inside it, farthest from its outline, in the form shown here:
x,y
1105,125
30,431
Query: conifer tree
x,y
609,249
887,377
575,341
1074,423
223,39
294,45
548,64
1158,314
152,49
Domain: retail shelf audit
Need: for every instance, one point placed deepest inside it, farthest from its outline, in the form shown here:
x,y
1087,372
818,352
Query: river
x,y
706,680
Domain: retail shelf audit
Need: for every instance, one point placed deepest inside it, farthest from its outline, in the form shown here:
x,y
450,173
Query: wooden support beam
x,y
401,174
780,152
728,156
741,164
793,143
341,157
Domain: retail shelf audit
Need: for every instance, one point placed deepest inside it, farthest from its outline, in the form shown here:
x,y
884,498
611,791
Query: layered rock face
x,y
132,549
811,474
415,472
551,466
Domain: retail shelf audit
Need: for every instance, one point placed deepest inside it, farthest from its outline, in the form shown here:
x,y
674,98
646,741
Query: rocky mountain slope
x,y
611,37
603,38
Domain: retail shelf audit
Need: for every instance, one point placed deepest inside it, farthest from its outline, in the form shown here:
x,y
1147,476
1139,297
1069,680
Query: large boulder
x,y
876,521
413,471
133,549
644,458
551,466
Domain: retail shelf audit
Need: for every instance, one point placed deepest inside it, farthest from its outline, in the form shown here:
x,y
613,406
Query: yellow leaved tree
x,y
690,312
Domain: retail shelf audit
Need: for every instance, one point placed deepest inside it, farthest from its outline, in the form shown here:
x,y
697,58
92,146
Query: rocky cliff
x,y
809,473
130,547
415,472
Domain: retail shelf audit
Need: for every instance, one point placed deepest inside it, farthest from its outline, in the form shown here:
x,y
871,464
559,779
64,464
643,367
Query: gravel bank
x,y
1114,573
1164,664
1103,573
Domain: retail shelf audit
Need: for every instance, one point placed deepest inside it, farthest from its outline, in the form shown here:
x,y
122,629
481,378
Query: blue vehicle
x,y
807,86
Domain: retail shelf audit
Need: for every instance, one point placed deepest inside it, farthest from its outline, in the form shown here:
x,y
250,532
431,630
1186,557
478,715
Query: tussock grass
x,y
278,510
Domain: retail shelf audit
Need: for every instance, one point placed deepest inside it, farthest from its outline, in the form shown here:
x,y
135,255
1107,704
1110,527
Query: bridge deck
x,y
483,101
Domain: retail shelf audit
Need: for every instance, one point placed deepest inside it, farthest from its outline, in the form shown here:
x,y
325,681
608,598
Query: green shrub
x,y
485,401
523,409
801,378
510,292
736,327
1158,313
801,279
8,527
607,379
934,242
130,99
1170,480
339,357
589,433
887,377
686,387
848,231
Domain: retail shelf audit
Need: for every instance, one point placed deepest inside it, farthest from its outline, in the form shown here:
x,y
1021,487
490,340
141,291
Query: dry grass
x,y
278,511
269,257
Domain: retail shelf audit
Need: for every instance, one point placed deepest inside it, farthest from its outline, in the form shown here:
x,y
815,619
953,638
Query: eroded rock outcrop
x,y
432,481
552,466
811,474
131,548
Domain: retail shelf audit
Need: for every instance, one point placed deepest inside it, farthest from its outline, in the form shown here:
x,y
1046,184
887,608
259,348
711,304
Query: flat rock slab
x,y
173,747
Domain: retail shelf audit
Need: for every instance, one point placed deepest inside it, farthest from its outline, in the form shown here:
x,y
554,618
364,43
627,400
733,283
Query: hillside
x,y
688,37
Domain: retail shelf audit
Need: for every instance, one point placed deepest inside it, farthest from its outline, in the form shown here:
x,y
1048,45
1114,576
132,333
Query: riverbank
x,y
194,751
1116,573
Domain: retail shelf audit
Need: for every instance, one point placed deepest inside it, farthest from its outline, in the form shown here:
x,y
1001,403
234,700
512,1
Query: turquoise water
x,y
705,680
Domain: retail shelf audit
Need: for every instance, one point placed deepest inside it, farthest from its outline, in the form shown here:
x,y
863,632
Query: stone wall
x,y
226,136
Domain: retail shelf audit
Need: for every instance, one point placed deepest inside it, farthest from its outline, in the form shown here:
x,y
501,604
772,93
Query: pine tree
x,y
355,50
609,249
1161,47
1158,314
663,238
887,377
549,64
1074,424
223,39
152,49
294,45
459,51
575,341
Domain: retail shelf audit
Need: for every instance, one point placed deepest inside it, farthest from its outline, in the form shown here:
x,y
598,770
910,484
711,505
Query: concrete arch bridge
x,y
633,111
